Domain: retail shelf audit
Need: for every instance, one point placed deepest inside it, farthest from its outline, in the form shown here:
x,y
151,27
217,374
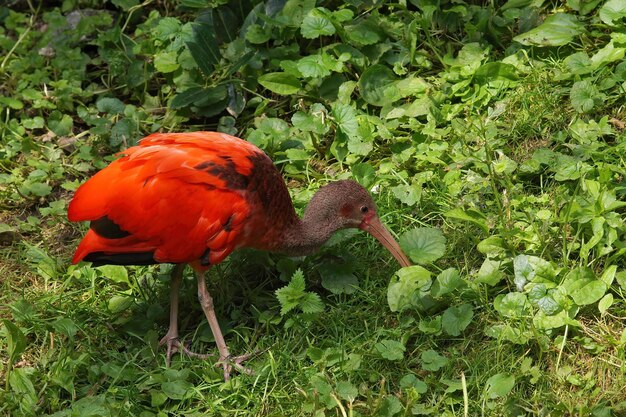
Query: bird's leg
x,y
171,337
207,306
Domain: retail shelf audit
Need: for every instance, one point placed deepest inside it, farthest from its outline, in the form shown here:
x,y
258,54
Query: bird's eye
x,y
364,209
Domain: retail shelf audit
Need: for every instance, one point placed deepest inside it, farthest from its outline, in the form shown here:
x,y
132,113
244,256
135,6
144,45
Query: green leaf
x,y
176,390
411,381
66,326
446,282
409,194
542,297
165,61
338,277
119,303
16,341
612,12
280,83
115,273
390,349
312,67
582,285
432,361
584,96
294,296
405,287
23,389
455,319
110,105
499,385
315,24
258,34
489,272
347,391
470,215
187,97
513,304
364,174
63,126
423,244
203,44
378,85
556,30
345,118
605,303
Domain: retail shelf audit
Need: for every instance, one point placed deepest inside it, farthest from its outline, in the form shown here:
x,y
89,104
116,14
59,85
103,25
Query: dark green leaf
x,y
556,30
203,46
432,361
280,83
455,319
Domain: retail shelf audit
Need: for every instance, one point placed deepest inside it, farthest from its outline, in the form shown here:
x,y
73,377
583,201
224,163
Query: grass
x,y
514,153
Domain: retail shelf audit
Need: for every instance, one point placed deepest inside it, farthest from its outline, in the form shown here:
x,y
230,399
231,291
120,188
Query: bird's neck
x,y
304,236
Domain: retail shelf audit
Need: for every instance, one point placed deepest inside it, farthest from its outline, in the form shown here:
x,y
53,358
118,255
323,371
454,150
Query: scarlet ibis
x,y
193,198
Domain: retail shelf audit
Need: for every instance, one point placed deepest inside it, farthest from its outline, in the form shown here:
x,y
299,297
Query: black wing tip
x,y
137,258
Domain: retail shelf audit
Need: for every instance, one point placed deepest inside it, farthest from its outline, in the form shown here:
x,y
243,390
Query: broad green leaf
x,y
406,286
584,96
338,278
363,33
347,391
315,24
345,118
492,246
176,390
582,285
513,304
409,194
578,63
280,83
411,381
364,173
203,44
293,295
446,282
187,97
257,34
430,325
612,12
23,389
489,272
62,126
558,29
605,303
16,341
455,319
66,326
470,215
115,273
378,85
110,105
390,349
509,333
423,244
311,66
499,385
542,297
166,62
432,361
119,303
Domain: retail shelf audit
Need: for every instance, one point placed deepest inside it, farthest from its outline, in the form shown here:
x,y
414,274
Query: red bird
x,y
193,198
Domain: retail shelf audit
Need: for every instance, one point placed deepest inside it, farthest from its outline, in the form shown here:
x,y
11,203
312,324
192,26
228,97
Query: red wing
x,y
174,195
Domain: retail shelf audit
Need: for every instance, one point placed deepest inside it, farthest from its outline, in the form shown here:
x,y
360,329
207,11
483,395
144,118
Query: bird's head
x,y
346,204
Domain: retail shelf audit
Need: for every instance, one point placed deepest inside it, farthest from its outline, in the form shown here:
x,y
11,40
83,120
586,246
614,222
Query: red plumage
x,y
173,195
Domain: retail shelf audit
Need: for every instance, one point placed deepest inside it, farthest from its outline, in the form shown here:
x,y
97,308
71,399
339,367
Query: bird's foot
x,y
230,362
175,345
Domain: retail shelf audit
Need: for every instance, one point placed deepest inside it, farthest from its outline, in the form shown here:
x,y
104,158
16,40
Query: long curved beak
x,y
374,227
